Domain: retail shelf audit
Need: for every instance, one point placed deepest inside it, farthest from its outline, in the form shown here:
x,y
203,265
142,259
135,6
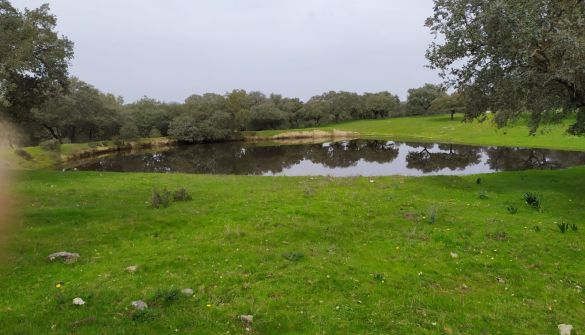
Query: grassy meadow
x,y
440,128
303,255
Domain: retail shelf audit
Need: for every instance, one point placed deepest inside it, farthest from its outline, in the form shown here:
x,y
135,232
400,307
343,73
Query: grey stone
x,y
78,301
187,291
139,305
565,329
247,318
66,257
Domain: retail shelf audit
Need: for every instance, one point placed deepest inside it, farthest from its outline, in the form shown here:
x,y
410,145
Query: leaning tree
x,y
512,56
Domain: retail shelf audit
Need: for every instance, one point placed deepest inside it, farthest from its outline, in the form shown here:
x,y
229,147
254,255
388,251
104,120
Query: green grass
x,y
440,128
304,255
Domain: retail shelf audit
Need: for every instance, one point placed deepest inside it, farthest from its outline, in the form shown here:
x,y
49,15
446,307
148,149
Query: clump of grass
x,y
432,215
498,236
233,232
532,200
309,191
165,297
144,315
293,256
478,181
483,195
536,228
181,195
512,209
574,227
379,277
160,199
563,227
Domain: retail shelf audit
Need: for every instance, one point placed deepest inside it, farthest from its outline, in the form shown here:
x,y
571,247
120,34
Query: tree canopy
x,y
512,56
34,59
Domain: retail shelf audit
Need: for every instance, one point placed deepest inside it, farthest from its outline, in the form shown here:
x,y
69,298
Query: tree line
x,y
83,113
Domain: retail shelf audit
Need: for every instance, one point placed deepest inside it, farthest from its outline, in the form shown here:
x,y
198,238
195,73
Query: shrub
x,y
182,195
512,209
23,153
160,199
51,145
293,256
532,200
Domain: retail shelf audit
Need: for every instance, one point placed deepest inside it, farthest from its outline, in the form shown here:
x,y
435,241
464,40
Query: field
x,y
303,255
390,255
440,128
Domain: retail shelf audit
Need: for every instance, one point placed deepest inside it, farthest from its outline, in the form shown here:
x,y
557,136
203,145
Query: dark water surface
x,y
346,158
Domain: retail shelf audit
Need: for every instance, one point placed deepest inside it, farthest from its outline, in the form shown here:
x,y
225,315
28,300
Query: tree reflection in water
x,y
356,157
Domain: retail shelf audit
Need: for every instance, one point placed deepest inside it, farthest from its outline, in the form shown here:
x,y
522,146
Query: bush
x,y
160,199
182,195
51,145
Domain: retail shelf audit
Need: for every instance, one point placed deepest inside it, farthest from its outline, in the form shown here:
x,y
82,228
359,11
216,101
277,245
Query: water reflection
x,y
347,158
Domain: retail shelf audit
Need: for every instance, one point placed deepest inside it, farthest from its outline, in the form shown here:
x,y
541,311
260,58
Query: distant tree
x,y
419,99
315,112
512,55
81,114
129,131
454,103
267,116
380,105
34,59
154,133
200,127
149,113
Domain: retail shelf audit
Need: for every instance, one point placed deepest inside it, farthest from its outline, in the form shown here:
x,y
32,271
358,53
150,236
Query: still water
x,y
345,158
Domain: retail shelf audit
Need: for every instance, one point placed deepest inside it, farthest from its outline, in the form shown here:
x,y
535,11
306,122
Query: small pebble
x,y
187,291
78,301
139,305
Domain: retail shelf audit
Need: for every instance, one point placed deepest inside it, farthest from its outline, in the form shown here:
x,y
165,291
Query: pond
x,y
344,158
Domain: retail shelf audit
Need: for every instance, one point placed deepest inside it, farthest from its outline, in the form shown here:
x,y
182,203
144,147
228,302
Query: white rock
x,y
132,268
565,329
187,291
247,318
78,301
67,257
139,305
454,255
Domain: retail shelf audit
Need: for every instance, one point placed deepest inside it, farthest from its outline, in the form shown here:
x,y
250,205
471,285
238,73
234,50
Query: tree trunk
x,y
52,132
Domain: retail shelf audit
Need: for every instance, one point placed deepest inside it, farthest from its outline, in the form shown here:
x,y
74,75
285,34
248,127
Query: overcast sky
x,y
170,49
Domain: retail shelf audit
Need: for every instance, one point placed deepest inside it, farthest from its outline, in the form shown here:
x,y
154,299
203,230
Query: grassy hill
x,y
440,128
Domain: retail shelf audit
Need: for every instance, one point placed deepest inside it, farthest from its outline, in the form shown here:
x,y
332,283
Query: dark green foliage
x,y
293,256
536,228
154,132
420,99
512,209
512,55
23,153
563,227
181,195
129,132
532,200
50,145
379,277
160,199
478,181
483,195
574,227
